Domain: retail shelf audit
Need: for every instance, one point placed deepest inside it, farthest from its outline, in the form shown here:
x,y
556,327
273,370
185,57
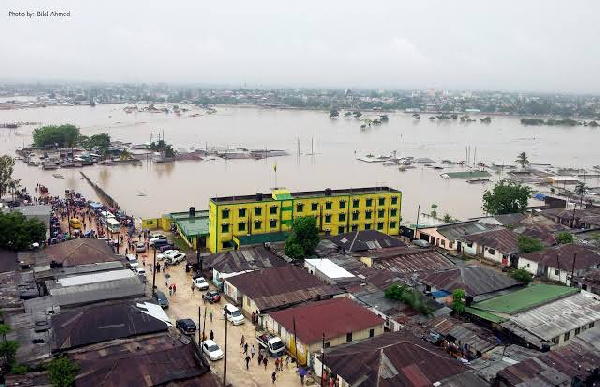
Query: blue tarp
x,y
539,196
440,294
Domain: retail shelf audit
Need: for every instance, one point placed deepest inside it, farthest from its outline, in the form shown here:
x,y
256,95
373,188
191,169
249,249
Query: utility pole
x,y
323,361
200,334
225,355
573,267
203,324
154,275
296,343
417,226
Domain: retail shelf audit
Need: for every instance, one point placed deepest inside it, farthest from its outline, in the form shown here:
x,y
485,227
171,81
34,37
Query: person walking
x,y
210,316
170,290
273,377
245,348
193,289
212,335
247,358
242,341
260,358
174,288
252,351
265,362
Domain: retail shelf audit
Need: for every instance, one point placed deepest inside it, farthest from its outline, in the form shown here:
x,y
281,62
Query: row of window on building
x,y
258,225
567,335
300,207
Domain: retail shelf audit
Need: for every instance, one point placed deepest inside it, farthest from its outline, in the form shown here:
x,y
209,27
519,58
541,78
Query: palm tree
x,y
125,155
522,159
580,189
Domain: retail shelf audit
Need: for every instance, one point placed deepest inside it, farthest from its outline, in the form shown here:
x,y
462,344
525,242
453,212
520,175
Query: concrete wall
x,y
437,239
562,339
531,266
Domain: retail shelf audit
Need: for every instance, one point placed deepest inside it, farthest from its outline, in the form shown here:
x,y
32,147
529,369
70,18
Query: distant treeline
x,y
557,122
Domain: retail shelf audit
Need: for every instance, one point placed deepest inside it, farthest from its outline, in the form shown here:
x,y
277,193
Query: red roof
x,y
334,317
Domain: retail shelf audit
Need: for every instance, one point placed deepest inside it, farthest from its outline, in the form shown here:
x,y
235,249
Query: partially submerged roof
x,y
365,240
280,287
566,257
503,240
242,260
334,317
475,280
392,359
101,323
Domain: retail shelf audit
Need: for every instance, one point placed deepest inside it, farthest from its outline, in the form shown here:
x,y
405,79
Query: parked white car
x,y
201,284
175,259
212,350
166,254
233,314
132,261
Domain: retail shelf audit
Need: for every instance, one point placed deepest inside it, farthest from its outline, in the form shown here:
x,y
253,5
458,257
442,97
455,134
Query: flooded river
x,y
337,143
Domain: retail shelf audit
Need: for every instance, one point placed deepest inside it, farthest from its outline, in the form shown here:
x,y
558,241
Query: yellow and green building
x,y
235,221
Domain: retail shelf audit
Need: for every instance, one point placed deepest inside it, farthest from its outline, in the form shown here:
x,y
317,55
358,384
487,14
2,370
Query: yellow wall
x,y
150,223
328,219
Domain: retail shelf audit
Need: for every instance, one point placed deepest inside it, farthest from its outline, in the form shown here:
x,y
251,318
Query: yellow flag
x,y
275,167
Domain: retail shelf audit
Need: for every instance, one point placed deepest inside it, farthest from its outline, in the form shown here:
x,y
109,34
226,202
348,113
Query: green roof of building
x,y
527,298
467,175
262,238
186,215
485,315
193,227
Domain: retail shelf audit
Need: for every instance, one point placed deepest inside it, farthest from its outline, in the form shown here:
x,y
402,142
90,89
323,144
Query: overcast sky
x,y
525,45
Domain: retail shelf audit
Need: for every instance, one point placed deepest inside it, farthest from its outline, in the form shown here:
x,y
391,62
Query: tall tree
x,y
65,135
304,238
458,300
506,198
18,233
522,159
6,170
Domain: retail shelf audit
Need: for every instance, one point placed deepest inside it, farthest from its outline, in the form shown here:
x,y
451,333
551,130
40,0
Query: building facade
x,y
233,219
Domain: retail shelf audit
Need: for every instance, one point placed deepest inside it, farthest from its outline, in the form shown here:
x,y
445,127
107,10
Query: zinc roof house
x,y
499,246
448,236
340,319
264,290
74,252
559,263
365,240
389,360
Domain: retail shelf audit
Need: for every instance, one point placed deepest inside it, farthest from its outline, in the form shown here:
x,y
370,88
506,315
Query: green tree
x,y
169,151
56,136
18,233
529,245
125,155
333,113
410,297
62,371
522,159
458,300
99,141
4,329
448,218
7,164
506,198
293,249
304,234
564,237
521,275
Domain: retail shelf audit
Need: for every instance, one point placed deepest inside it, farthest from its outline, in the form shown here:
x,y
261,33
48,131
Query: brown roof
x,y
478,338
392,359
281,287
543,232
408,261
475,280
79,251
154,361
503,240
586,257
334,317
365,240
241,260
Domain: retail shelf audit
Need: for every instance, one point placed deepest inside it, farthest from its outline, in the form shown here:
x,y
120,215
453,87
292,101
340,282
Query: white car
x,y
201,284
167,254
140,271
132,261
175,258
155,237
212,350
233,314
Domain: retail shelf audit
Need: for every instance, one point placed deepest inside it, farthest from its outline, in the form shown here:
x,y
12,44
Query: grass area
x,y
529,297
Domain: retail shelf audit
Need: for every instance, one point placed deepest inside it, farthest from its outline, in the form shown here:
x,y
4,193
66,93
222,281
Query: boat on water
x,y
141,193
372,159
416,116
475,181
58,176
49,166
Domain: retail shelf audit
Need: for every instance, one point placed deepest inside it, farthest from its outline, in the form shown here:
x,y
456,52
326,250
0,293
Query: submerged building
x,y
235,221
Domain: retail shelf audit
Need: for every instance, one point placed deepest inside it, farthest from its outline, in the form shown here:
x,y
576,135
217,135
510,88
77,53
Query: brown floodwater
x,y
337,143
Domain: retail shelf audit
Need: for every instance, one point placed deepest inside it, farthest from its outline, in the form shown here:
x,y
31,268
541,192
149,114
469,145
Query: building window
x,y
556,271
367,226
380,213
314,206
392,224
355,216
380,226
257,225
394,200
225,214
355,227
327,344
443,242
273,223
349,337
577,330
492,251
393,212
555,340
469,244
257,211
328,205
327,218
369,202
591,324
567,336
300,207
224,228
242,226
342,204
368,214
342,217
382,201
355,203
242,212
372,332
273,210
341,229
